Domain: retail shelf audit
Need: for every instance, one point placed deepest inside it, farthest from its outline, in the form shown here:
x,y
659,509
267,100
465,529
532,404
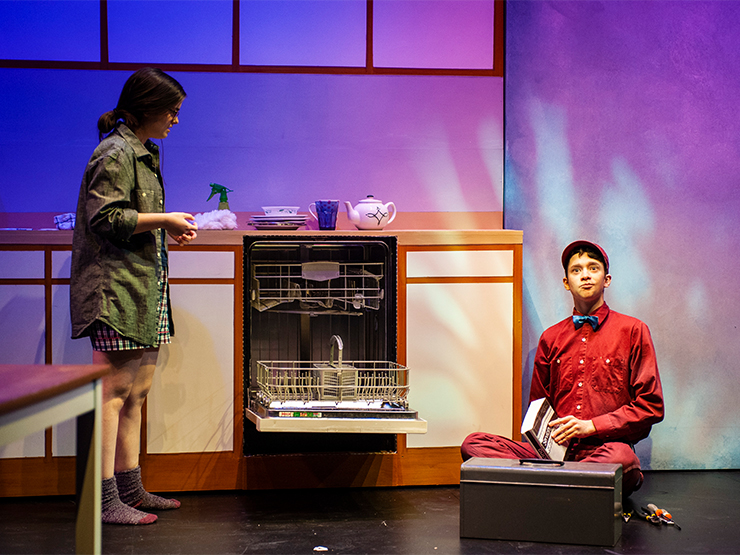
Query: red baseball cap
x,y
566,256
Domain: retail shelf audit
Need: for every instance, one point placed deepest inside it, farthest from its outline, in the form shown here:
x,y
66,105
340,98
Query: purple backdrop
x,y
621,127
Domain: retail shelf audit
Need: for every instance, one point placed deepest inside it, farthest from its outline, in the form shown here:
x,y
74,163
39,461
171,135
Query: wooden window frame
x,y
236,67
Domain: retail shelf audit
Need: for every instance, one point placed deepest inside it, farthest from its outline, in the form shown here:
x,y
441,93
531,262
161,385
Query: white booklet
x,y
536,431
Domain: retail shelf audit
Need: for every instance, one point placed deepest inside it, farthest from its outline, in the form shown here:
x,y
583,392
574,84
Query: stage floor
x,y
706,504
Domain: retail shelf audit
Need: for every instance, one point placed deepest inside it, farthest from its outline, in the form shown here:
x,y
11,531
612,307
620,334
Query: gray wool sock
x,y
114,511
133,494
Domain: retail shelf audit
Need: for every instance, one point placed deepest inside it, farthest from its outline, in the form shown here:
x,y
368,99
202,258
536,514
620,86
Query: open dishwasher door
x,y
320,345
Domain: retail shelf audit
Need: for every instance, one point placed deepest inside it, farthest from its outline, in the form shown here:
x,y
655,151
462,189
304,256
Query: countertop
x,y
235,237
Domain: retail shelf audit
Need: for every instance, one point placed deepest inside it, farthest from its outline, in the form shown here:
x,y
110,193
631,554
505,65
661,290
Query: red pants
x,y
491,446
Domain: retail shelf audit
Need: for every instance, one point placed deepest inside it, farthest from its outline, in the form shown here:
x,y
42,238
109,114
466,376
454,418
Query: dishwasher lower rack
x,y
320,396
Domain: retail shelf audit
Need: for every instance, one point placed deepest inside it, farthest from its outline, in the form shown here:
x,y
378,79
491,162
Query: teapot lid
x,y
370,199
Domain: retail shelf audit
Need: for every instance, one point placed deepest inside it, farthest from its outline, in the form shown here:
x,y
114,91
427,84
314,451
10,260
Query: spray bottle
x,y
223,199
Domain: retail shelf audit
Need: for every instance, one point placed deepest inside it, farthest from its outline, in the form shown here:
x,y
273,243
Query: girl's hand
x,y
185,238
181,227
179,224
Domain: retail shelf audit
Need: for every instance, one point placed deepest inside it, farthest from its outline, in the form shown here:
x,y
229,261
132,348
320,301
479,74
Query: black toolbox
x,y
541,501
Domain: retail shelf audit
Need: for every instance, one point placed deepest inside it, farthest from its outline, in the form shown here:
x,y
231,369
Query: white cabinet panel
x,y
459,350
200,264
22,323
182,264
191,404
32,445
21,264
61,264
22,342
65,350
483,263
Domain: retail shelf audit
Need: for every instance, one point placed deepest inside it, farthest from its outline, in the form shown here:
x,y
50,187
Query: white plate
x,y
280,215
283,227
271,222
279,218
281,210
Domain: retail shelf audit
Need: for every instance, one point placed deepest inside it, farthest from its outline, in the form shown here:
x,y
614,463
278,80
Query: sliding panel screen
x,y
303,33
433,34
59,30
170,31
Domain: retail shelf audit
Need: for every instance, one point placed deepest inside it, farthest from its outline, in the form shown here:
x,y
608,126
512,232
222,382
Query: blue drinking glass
x,y
326,213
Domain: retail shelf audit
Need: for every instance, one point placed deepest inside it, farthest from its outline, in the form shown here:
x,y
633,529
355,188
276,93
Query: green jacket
x,y
115,274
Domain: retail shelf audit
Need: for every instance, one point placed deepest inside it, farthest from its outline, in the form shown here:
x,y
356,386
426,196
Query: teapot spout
x,y
352,215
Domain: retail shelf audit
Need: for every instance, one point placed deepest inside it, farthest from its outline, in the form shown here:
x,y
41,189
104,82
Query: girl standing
x,y
119,293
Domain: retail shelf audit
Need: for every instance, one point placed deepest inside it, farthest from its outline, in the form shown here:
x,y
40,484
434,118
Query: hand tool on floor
x,y
650,517
663,515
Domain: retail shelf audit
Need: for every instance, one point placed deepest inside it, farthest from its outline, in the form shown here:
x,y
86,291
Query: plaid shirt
x,y
115,274
105,338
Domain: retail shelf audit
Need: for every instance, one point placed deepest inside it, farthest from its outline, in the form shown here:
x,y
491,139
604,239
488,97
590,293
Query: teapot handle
x,y
393,217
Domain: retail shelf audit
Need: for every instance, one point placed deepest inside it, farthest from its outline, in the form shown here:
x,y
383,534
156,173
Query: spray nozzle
x,y
223,199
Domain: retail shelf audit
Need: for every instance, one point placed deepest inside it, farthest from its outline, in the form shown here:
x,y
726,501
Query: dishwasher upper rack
x,y
347,383
318,285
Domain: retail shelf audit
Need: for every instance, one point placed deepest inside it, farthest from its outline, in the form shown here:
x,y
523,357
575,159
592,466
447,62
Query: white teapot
x,y
371,213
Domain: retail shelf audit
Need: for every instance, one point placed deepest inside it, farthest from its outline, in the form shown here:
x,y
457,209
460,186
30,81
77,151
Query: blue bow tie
x,y
580,320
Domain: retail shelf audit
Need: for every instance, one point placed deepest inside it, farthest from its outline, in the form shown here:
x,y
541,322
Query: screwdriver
x,y
663,515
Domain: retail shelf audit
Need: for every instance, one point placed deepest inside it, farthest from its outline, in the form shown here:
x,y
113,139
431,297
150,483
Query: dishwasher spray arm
x,y
335,340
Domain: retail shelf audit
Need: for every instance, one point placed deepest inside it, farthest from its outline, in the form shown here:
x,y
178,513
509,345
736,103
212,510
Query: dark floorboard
x,y
363,521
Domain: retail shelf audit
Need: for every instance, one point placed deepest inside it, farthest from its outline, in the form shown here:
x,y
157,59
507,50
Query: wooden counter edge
x,y
235,237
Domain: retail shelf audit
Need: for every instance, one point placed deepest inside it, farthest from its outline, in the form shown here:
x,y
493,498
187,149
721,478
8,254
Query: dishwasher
x,y
320,346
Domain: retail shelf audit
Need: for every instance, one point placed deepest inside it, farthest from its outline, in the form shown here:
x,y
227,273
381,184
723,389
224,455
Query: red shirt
x,y
609,375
